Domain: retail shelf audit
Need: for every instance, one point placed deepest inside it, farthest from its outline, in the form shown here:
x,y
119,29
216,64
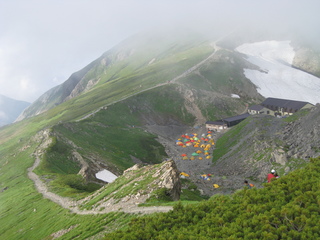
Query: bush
x,y
283,209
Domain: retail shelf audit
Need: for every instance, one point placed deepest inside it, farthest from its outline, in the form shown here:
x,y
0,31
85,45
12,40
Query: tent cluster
x,y
202,145
205,177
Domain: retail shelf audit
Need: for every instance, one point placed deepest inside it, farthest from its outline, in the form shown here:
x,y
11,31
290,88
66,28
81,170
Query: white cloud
x,y
24,84
3,116
46,41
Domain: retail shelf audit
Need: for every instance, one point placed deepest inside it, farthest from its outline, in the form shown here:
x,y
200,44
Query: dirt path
x,y
73,205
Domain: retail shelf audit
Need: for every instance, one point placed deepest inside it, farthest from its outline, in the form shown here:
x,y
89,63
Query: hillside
x,y
131,106
263,142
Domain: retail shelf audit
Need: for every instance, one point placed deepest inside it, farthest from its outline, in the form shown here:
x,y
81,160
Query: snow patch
x,y
235,95
276,78
106,176
151,61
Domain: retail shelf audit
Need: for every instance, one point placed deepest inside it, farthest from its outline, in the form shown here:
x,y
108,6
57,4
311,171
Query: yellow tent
x,y
206,153
216,186
208,146
185,158
196,145
184,174
200,158
184,146
202,146
207,157
199,151
192,158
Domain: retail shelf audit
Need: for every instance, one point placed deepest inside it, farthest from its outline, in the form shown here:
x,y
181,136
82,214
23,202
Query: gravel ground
x,y
167,136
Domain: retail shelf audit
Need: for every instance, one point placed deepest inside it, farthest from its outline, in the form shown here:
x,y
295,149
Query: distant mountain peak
x,y
10,109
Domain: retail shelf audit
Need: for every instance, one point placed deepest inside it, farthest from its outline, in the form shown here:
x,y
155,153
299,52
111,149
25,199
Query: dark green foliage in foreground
x,y
287,208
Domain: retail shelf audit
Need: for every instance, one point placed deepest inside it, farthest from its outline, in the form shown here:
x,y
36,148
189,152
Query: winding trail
x,y
73,205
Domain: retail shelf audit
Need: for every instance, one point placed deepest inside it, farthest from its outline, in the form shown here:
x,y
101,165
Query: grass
x,y
297,115
228,140
24,212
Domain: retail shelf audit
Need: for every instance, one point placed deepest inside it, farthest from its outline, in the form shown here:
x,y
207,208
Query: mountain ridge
x,y
10,109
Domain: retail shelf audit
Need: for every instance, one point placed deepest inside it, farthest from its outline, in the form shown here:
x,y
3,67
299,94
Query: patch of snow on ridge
x,y
235,95
277,78
106,176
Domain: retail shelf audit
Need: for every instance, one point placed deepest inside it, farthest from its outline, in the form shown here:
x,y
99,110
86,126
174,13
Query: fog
x,y
43,42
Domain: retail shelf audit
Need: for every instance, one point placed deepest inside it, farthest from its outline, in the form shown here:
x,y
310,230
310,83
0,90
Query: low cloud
x,y
46,41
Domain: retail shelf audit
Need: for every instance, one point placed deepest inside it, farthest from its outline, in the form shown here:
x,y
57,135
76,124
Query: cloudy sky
x,y
42,42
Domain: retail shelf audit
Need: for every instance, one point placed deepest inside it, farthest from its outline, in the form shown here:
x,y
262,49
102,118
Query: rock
x,y
169,178
133,168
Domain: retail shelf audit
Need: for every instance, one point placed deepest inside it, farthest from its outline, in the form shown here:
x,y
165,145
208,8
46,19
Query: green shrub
x,y
287,208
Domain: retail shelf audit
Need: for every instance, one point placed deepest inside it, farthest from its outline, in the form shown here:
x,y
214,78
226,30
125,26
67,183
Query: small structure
x,y
231,121
226,122
259,109
216,125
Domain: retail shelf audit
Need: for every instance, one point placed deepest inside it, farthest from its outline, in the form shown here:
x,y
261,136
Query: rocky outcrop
x,y
136,185
167,176
307,60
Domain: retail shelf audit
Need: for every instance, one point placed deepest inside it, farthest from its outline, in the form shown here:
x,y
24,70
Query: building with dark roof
x,y
226,122
231,121
284,106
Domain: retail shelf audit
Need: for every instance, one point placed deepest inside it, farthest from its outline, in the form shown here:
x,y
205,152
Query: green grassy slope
x,y
24,214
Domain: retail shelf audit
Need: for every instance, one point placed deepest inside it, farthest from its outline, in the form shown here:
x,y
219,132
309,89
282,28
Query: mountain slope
x,y
10,109
261,143
151,59
141,94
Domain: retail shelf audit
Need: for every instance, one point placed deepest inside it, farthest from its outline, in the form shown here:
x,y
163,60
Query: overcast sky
x,y
42,42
